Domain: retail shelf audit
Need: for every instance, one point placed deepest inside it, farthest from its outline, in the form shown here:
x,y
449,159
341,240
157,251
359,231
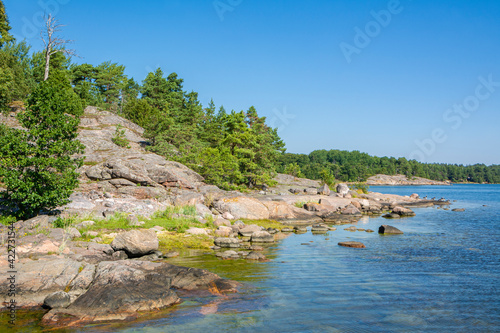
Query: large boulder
x,y
227,242
342,189
58,299
402,211
243,208
324,190
249,230
136,243
351,210
388,229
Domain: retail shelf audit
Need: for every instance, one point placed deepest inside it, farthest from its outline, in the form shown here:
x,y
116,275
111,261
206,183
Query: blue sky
x,y
419,79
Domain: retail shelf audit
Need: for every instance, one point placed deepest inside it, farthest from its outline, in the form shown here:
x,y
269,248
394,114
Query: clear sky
x,y
419,79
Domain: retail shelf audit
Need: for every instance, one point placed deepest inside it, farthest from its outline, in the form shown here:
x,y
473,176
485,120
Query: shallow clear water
x,y
442,275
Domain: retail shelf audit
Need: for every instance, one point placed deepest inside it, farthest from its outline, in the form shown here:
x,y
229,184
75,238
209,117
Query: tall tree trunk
x,y
47,61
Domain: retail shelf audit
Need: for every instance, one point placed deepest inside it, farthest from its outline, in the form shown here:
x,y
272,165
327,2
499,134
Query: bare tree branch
x,y
52,43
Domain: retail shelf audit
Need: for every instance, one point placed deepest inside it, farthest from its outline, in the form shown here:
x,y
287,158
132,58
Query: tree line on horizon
x,y
354,166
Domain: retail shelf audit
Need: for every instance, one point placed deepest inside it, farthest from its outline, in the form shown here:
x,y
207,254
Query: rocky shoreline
x,y
395,180
79,273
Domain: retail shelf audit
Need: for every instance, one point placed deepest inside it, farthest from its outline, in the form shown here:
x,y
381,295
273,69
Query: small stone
x,y
458,210
133,220
172,254
228,216
240,224
108,213
300,229
287,229
369,230
351,228
358,245
119,255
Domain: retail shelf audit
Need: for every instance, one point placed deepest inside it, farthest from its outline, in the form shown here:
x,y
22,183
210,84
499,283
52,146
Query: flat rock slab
x,y
357,245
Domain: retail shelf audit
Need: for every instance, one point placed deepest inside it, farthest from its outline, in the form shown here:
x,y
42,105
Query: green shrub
x,y
360,187
119,138
64,222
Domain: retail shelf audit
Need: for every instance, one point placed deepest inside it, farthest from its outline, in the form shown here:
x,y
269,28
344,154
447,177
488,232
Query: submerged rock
x,y
358,245
458,210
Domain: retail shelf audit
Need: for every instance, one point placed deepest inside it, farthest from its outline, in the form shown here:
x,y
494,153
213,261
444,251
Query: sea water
x,y
441,275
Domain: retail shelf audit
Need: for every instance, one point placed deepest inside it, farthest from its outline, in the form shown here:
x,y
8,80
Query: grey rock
x,y
40,221
255,256
133,220
350,210
73,233
136,243
249,230
402,211
354,244
104,248
342,189
108,213
119,255
387,229
227,242
324,190
262,237
58,299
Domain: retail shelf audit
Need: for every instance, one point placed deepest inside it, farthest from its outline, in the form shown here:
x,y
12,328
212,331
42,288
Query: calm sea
x,y
442,275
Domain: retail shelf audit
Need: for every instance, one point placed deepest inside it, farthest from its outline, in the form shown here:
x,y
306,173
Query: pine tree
x,y
5,36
